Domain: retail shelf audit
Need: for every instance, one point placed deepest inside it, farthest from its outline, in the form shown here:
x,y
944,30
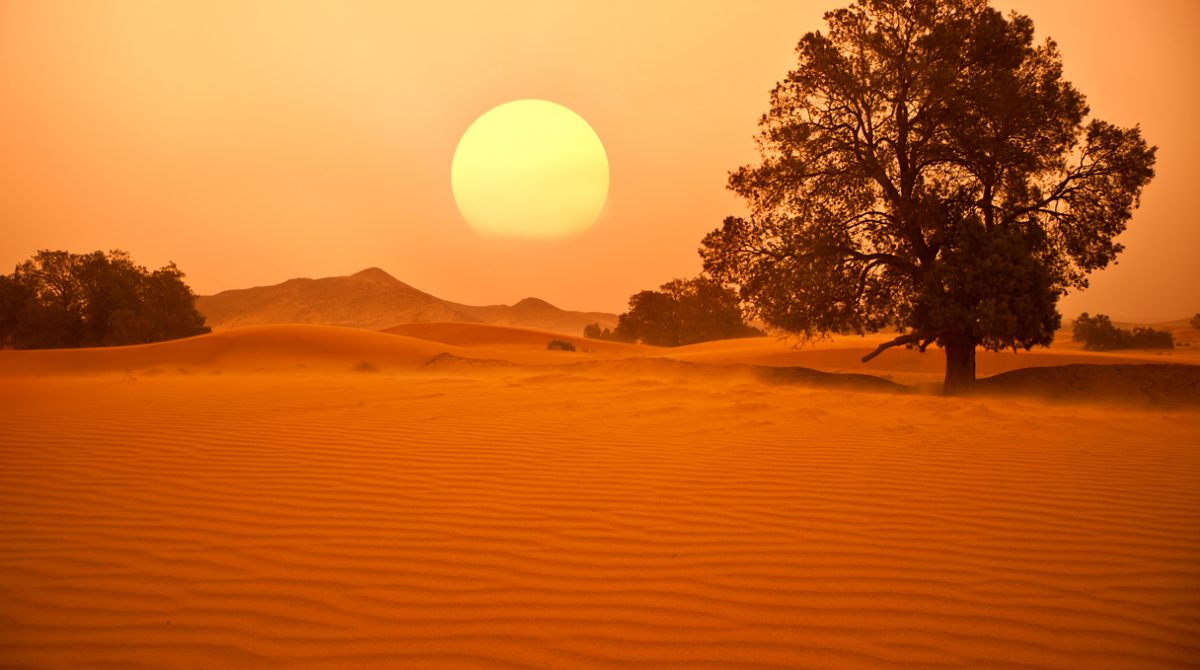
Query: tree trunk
x,y
960,365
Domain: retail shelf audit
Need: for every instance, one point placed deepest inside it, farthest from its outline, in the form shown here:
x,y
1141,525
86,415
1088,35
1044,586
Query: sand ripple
x,y
528,520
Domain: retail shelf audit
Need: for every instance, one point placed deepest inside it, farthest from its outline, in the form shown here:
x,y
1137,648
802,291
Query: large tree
x,y
926,168
60,299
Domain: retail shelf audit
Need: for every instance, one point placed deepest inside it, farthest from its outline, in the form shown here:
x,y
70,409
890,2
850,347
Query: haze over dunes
x,y
255,142
457,496
374,299
350,472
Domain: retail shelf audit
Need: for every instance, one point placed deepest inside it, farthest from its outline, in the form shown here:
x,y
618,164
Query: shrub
x,y
560,345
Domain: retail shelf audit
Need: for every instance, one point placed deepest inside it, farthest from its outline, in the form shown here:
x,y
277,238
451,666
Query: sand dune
x,y
510,338
844,354
1161,385
249,349
832,363
584,510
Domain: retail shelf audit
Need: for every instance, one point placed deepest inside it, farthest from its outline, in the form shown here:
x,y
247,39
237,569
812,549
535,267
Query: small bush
x,y
560,345
1195,322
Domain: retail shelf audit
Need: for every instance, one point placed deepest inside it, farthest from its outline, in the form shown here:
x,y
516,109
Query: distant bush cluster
x,y
682,311
59,299
1195,322
1099,334
560,345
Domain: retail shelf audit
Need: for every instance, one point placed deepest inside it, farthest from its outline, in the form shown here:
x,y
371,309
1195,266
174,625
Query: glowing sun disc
x,y
529,168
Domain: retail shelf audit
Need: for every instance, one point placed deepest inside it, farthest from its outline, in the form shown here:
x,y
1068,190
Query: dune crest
x,y
1135,378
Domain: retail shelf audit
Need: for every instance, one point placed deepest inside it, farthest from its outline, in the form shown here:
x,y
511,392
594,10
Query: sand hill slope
x,y
511,339
1062,373
250,349
308,497
374,299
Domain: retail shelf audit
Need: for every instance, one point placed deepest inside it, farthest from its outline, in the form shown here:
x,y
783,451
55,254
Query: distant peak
x,y
375,274
534,302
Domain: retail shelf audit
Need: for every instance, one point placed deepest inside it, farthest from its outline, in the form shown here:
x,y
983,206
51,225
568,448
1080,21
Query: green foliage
x,y
58,299
683,311
926,168
1195,322
560,345
1099,334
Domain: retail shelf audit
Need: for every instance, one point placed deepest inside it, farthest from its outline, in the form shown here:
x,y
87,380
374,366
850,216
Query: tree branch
x,y
887,259
1064,188
926,336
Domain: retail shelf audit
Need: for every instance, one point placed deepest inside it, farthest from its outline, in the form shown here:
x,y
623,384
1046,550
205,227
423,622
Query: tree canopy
x,y
1097,333
683,311
926,168
59,299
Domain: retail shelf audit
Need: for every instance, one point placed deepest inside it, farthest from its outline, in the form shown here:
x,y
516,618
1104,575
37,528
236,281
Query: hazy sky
x,y
252,142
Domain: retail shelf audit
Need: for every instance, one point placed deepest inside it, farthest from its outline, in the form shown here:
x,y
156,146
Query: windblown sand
x,y
321,498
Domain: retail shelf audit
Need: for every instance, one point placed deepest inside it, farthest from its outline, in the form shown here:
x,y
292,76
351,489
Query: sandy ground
x,y
296,497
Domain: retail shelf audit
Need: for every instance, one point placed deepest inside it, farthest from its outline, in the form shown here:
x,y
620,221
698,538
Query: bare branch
x,y
927,337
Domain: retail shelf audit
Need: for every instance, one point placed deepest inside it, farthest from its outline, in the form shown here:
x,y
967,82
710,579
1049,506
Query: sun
x,y
532,169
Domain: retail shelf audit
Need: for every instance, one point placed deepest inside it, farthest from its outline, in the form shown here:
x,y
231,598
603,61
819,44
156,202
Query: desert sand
x,y
457,496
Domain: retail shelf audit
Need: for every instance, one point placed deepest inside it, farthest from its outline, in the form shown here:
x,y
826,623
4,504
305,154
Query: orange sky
x,y
252,142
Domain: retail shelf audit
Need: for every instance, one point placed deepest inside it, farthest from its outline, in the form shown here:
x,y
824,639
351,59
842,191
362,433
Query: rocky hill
x,y
375,300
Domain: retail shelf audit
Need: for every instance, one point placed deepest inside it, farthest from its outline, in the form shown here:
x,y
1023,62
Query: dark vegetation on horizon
x,y
926,168
58,299
560,345
1099,334
682,311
